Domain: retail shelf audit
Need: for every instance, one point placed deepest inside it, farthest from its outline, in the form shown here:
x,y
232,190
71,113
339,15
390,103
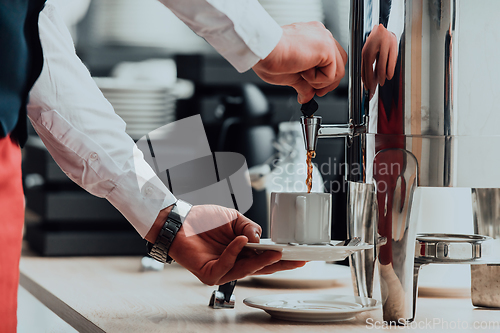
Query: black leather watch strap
x,y
159,250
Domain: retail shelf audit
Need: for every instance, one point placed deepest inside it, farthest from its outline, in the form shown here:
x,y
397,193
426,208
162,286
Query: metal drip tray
x,y
449,248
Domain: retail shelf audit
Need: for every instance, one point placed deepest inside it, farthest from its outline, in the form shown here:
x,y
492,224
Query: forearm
x,y
85,136
241,31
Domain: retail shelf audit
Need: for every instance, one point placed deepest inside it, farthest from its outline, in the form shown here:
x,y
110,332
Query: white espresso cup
x,y
303,218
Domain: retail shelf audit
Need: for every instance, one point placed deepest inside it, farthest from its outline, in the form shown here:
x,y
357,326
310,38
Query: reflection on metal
x,y
362,217
411,122
394,192
223,297
312,129
418,100
404,102
450,249
486,214
486,211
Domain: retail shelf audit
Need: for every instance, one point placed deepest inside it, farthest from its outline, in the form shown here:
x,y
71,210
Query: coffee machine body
x,y
411,126
406,72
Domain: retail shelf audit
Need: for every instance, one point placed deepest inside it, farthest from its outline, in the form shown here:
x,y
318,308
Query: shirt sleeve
x,y
240,30
85,136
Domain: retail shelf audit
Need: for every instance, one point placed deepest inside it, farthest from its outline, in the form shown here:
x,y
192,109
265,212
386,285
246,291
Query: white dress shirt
x,y
83,133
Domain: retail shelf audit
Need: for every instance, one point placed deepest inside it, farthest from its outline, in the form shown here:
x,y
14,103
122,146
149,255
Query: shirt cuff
x,y
241,31
258,32
140,205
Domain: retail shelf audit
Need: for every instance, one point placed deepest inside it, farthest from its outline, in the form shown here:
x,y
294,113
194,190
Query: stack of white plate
x,y
143,106
291,11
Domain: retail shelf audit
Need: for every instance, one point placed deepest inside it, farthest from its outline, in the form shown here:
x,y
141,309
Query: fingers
x,y
320,77
381,46
327,77
387,59
342,52
340,73
304,90
245,267
306,58
281,265
324,91
381,66
368,58
393,57
227,259
244,226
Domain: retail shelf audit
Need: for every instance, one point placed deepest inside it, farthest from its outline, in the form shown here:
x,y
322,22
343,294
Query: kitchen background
x,y
142,41
240,112
62,219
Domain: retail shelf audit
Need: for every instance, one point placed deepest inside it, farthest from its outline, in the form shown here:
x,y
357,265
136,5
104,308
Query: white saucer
x,y
309,252
314,274
312,307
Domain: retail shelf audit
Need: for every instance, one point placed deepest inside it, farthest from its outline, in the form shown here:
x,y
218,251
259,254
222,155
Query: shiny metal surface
x,y
414,111
403,104
313,129
223,297
419,100
383,209
218,301
448,248
454,249
310,130
335,131
471,161
362,221
395,190
485,291
486,211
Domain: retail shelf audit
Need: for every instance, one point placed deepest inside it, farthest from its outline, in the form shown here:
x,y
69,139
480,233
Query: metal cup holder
x,y
447,249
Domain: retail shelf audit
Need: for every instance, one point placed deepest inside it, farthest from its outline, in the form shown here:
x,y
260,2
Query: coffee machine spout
x,y
312,130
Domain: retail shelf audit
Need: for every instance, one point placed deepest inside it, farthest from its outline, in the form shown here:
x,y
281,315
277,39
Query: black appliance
x,y
70,221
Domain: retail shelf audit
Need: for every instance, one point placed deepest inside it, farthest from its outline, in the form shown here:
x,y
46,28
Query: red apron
x,y
11,227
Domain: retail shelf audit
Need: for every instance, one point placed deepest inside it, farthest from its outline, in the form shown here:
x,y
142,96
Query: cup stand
x,y
446,249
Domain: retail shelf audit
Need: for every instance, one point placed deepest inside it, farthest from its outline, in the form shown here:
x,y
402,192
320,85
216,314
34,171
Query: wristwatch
x,y
159,250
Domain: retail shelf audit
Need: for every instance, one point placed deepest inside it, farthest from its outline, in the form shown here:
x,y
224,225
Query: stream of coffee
x,y
310,155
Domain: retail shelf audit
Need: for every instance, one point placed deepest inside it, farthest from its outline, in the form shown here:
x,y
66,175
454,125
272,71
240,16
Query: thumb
x,y
246,227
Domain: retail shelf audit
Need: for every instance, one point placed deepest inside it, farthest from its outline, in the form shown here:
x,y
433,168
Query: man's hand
x,y
218,256
306,58
381,47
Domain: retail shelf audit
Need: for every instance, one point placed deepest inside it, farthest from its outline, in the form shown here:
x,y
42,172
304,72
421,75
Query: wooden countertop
x,y
110,294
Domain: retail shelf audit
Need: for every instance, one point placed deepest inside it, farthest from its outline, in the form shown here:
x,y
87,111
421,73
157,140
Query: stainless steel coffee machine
x,y
409,129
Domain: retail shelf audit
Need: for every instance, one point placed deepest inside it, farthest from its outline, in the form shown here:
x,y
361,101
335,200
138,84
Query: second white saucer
x,y
312,307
